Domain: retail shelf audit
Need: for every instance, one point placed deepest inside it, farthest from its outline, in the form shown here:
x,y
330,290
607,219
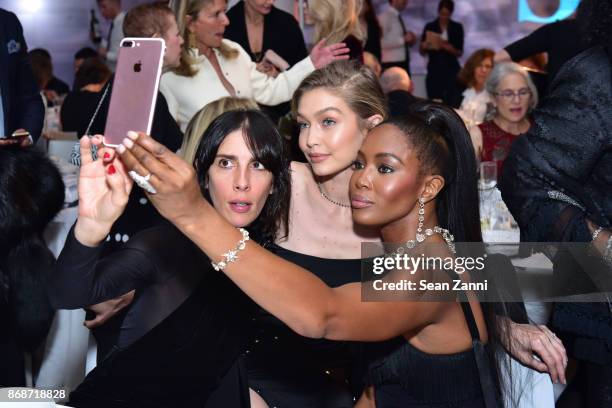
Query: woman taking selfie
x,y
411,175
185,327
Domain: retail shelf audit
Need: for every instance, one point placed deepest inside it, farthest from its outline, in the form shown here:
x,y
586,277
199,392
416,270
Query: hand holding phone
x,y
19,137
276,60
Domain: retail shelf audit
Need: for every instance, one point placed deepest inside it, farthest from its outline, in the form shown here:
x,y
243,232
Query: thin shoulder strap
x,y
469,317
480,354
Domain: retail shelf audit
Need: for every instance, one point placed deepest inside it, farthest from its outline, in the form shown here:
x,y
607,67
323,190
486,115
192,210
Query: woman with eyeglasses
x,y
514,96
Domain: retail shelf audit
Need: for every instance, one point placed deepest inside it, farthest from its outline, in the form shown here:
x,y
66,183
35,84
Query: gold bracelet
x,y
232,254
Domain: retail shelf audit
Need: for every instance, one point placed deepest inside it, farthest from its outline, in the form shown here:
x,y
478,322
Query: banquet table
x,y
66,348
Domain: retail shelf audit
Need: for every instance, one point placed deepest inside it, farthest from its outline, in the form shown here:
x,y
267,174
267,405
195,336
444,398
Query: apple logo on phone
x,y
138,66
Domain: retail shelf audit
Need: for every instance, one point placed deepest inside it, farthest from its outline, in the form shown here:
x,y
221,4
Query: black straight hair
x,y
267,147
444,147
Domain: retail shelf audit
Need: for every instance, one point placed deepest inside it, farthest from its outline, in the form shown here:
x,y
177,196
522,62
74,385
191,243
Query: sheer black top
x,y
182,333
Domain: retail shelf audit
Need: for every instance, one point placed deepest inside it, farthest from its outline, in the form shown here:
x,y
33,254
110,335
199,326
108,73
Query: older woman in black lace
x,y
187,324
557,182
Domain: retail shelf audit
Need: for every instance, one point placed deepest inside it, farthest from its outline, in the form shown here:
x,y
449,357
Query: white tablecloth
x,y
63,364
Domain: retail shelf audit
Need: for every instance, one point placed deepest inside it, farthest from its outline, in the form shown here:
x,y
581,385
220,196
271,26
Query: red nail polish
x,y
111,169
106,155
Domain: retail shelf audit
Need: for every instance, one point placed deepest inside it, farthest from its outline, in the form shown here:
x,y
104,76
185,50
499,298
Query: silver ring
x,y
143,181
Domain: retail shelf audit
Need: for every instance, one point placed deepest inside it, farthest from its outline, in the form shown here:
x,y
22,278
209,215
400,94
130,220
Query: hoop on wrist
x,y
232,254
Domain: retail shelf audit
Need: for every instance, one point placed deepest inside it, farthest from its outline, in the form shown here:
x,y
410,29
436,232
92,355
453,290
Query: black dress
x,y
182,333
403,376
443,67
372,44
355,47
281,33
291,371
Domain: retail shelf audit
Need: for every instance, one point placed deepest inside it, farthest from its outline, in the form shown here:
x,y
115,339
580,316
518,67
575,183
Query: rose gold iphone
x,y
135,85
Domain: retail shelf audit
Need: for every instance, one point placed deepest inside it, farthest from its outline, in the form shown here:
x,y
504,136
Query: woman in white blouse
x,y
213,67
473,75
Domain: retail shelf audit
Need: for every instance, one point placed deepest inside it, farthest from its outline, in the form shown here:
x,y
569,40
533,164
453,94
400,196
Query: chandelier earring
x,y
420,237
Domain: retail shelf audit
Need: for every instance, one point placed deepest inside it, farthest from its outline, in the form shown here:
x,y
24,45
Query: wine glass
x,y
488,175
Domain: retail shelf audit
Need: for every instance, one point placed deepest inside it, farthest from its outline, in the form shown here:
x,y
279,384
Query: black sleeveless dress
x,y
292,371
404,376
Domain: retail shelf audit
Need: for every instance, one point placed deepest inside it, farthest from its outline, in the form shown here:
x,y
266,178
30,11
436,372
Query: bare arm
x,y
502,56
294,295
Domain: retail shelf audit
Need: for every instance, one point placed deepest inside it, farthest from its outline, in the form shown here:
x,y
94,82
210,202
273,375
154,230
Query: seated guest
x,y
54,87
212,67
370,61
204,117
514,96
81,55
41,68
79,105
471,97
31,194
396,84
188,323
338,21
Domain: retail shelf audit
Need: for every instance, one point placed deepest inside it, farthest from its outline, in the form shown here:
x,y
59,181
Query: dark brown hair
x,y
466,75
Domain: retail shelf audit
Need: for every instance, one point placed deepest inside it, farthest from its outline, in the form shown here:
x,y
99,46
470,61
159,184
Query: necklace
x,y
448,238
330,200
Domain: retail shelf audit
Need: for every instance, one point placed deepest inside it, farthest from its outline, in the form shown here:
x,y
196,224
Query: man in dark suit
x,y
21,104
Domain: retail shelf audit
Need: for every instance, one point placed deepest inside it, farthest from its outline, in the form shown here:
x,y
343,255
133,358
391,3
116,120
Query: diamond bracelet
x,y
232,254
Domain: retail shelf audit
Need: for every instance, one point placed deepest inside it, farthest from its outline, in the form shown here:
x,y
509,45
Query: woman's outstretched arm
x,y
291,293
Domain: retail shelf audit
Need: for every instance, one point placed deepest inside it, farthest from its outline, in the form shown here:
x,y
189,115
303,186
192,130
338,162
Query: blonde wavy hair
x,y
191,8
203,118
335,20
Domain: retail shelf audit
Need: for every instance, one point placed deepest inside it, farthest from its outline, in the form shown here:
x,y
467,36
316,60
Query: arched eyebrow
x,y
227,156
391,155
321,111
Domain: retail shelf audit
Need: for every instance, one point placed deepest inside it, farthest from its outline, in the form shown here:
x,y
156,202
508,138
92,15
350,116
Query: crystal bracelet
x,y
232,254
596,233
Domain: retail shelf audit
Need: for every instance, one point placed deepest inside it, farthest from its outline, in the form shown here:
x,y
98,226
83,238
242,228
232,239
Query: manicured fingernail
x,y
127,143
111,170
132,135
121,149
106,155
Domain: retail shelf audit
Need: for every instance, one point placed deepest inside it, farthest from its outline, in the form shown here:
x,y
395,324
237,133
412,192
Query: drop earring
x,y
420,237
